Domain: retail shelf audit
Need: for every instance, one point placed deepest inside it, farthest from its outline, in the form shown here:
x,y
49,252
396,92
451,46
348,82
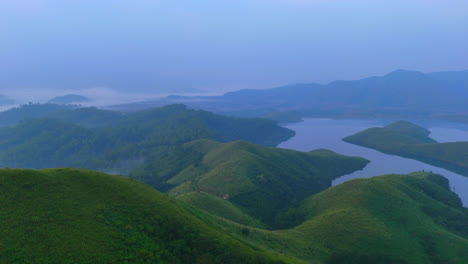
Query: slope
x,y
122,141
79,216
411,218
261,181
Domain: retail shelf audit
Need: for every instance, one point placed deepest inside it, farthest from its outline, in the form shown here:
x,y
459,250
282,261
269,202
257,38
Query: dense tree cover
x,y
262,181
79,216
28,111
83,116
409,140
111,141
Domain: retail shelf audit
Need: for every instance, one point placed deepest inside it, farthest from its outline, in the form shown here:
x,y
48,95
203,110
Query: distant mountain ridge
x,y
69,99
397,93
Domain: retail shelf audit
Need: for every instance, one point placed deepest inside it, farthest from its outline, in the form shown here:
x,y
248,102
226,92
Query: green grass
x,y
388,219
410,141
79,216
263,181
220,207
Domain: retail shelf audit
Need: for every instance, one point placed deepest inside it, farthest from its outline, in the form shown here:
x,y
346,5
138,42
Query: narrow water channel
x,y
327,133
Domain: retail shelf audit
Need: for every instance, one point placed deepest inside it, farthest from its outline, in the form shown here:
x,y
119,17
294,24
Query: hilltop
x,y
241,180
69,99
411,141
411,218
112,141
80,216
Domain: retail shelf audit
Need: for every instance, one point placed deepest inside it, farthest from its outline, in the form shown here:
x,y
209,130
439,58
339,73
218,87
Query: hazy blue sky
x,y
173,45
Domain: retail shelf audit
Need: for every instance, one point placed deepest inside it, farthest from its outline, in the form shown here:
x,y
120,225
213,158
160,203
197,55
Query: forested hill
x,y
261,181
24,112
119,141
409,140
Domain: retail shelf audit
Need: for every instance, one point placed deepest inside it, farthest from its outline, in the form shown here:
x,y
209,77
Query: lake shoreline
x,y
314,133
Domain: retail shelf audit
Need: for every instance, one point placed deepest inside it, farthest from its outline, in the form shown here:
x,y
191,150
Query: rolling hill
x,y
80,216
411,218
254,180
111,141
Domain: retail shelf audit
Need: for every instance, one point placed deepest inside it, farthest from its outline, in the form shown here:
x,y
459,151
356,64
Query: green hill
x,y
15,115
72,138
394,218
79,216
260,181
411,218
411,141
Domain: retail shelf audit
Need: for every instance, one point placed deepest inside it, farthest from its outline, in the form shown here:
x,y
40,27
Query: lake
x,y
317,133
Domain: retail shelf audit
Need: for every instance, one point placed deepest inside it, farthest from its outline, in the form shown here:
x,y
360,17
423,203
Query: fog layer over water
x,y
327,133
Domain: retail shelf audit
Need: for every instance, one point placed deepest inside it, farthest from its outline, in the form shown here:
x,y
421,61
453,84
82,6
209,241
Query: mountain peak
x,y
400,73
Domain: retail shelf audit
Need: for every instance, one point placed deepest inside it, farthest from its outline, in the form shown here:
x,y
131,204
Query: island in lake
x,y
408,140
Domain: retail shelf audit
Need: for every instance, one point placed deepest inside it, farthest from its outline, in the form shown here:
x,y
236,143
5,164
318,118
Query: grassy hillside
x,y
258,180
79,216
411,218
408,140
111,141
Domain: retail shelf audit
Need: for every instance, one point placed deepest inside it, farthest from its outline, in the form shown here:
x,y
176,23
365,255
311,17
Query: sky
x,y
144,47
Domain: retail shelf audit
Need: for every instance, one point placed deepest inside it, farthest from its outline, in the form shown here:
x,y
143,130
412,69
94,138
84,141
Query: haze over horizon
x,y
160,47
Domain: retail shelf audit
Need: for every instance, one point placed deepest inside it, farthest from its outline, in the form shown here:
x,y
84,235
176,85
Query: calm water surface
x,y
327,133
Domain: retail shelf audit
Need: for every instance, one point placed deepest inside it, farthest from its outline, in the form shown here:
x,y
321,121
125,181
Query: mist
x,y
162,47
